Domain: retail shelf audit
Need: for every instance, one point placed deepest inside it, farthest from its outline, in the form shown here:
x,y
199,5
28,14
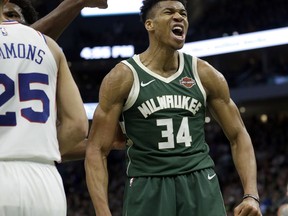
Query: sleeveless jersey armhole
x,y
56,67
42,36
197,78
133,94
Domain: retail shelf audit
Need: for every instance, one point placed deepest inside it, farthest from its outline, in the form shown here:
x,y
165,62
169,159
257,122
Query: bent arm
x,y
105,125
98,148
77,153
226,113
58,20
72,126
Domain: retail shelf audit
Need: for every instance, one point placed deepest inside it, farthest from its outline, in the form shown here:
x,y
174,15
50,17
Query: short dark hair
x,y
28,10
147,5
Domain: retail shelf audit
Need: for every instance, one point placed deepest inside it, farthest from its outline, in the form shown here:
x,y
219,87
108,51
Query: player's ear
x,y
149,25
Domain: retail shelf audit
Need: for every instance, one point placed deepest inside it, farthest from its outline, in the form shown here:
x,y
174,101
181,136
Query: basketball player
x,y
36,89
53,25
162,95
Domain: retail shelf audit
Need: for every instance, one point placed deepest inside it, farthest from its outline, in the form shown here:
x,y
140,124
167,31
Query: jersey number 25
x,y
25,94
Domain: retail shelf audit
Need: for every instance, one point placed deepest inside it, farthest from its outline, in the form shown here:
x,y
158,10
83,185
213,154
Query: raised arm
x,y
58,20
72,126
113,92
227,115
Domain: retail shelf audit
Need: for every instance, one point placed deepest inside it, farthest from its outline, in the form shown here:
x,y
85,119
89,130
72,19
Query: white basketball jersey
x,y
28,78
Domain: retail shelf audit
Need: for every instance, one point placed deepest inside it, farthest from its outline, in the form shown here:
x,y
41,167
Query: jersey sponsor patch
x,y
188,82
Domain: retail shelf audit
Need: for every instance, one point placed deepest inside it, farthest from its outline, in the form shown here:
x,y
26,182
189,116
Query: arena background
x,y
258,79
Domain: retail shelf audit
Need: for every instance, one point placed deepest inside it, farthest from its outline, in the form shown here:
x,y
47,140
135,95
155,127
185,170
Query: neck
x,y
160,61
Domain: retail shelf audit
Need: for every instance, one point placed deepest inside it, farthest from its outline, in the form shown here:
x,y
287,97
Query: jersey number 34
x,y
183,134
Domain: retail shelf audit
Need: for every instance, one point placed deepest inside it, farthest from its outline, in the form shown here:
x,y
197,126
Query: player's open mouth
x,y
178,32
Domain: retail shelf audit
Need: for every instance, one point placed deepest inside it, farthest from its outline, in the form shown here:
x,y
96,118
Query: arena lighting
x,y
236,43
106,52
115,7
90,108
228,44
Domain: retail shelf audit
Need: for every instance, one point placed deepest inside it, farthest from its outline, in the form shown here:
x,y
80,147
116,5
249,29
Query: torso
x,y
164,118
28,102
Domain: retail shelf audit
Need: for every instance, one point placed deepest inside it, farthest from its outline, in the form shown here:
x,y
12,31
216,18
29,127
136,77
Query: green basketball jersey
x,y
164,121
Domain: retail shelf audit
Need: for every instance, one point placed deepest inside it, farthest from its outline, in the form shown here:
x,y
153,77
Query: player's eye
x,y
168,12
11,15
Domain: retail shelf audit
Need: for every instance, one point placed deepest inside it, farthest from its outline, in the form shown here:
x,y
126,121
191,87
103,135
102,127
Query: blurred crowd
x,y
226,17
270,140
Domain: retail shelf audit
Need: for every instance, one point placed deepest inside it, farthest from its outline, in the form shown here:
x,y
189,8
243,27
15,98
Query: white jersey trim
x,y
163,79
135,89
197,78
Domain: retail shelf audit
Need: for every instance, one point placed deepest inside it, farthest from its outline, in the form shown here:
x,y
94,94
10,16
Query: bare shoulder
x,y
118,82
55,49
211,78
120,70
52,43
121,74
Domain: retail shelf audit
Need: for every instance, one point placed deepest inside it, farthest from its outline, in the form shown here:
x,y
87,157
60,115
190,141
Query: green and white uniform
x,y
164,121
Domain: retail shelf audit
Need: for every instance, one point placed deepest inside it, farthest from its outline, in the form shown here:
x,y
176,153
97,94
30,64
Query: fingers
x,y
247,209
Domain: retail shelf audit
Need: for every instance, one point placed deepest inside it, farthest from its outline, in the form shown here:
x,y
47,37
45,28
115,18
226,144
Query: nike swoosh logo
x,y
146,84
212,176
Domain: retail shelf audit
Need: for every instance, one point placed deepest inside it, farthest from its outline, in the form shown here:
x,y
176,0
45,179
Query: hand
x,y
248,207
119,142
95,3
